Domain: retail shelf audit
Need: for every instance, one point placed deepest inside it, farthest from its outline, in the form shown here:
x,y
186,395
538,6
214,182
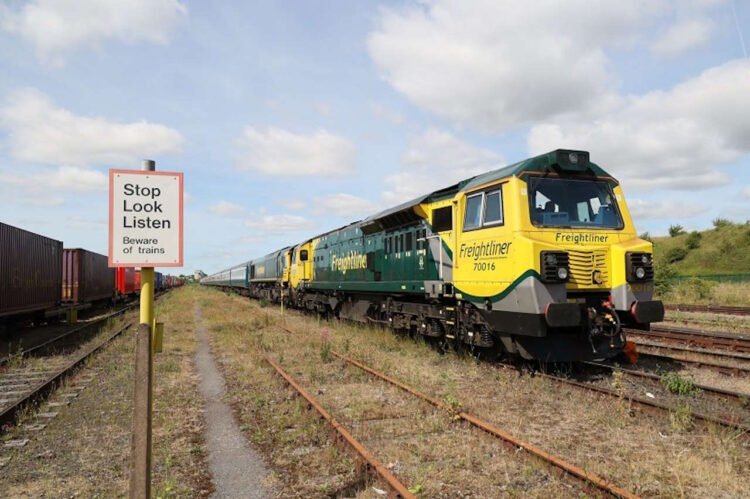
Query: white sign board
x,y
145,218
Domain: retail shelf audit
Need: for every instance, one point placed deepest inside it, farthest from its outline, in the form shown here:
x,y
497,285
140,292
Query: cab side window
x,y
493,208
484,209
472,218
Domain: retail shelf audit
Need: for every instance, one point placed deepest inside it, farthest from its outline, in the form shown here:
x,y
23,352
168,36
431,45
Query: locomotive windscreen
x,y
561,202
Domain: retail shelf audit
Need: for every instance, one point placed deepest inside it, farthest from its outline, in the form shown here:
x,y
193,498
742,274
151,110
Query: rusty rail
x,y
588,477
715,309
50,382
647,403
647,375
399,489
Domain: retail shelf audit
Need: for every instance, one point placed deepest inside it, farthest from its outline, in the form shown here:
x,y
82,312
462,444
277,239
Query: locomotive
x,y
539,259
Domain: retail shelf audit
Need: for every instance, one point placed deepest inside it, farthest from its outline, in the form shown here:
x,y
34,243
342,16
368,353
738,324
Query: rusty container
x,y
29,271
125,280
86,277
137,281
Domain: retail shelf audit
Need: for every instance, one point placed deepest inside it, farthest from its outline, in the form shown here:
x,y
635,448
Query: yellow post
x,y
147,296
158,337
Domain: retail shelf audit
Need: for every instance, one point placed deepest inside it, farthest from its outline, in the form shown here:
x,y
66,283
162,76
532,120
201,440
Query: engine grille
x,y
584,263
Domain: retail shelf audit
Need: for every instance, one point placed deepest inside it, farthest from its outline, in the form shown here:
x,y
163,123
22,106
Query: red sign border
x,y
112,173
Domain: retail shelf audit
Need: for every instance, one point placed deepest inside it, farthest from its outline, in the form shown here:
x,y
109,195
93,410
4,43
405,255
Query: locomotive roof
x,y
560,159
553,161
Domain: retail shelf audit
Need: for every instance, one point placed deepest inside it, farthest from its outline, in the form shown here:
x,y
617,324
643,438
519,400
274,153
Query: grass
x,y
704,292
679,385
721,250
86,448
651,456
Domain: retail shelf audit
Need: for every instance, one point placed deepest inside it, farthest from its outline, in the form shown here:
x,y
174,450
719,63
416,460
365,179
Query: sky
x,y
291,118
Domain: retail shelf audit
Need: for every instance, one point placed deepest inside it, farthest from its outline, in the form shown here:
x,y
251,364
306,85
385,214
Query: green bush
x,y
679,385
676,230
699,288
664,276
694,240
646,237
676,254
721,222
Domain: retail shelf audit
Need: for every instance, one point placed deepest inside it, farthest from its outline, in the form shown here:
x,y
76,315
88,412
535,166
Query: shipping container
x,y
158,281
86,277
125,280
137,281
30,271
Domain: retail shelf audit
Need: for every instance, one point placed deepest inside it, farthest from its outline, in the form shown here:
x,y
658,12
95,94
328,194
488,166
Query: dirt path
x,y
237,470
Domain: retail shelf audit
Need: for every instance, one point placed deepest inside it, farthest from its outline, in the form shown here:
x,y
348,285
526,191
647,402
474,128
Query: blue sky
x,y
292,118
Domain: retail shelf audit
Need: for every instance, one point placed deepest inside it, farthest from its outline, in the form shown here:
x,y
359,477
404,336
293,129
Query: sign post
x,y
145,230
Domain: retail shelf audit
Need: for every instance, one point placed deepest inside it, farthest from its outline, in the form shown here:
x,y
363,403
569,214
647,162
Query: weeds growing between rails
x,y
651,455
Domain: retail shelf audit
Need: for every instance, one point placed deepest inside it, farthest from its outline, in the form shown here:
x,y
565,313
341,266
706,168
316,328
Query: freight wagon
x,y
30,271
125,282
86,277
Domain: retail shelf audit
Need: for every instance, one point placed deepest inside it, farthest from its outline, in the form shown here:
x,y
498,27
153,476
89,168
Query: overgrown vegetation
x,y
698,267
679,385
676,230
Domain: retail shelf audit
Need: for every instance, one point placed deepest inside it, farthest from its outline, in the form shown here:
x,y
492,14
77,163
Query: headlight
x,y
639,266
554,266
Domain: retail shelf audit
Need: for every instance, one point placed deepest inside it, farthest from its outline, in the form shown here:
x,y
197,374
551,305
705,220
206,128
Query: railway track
x,y
713,309
20,386
585,479
737,343
663,352
47,343
733,405
647,404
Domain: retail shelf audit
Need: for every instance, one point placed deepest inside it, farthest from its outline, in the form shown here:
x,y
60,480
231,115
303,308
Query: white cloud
x,y
41,132
278,224
387,113
292,204
666,139
745,193
683,36
58,27
344,205
279,152
227,209
666,209
495,64
434,160
48,188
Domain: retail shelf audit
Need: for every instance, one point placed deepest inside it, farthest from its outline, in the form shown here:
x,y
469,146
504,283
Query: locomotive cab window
x,y
484,209
473,216
560,202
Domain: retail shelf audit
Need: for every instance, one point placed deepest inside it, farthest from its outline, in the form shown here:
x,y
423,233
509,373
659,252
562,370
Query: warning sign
x,y
145,218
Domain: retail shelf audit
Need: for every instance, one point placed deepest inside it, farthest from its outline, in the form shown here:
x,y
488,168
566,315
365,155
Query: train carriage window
x,y
409,241
401,242
473,216
493,208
